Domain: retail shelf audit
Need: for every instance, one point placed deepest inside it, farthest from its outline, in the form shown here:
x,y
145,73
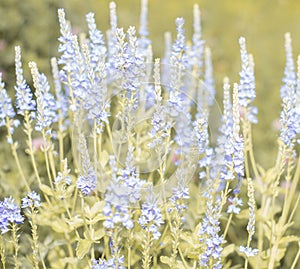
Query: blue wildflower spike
x,y
247,92
24,96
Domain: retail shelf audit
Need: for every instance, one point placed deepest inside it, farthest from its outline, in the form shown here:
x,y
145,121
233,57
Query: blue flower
x,y
234,206
60,177
209,87
143,41
289,117
180,193
9,213
179,46
123,192
6,108
46,104
197,49
87,181
97,47
62,104
248,251
247,92
31,200
289,79
209,235
109,264
24,101
66,42
151,217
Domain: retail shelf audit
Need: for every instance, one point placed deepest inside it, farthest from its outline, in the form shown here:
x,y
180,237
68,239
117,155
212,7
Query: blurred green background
x,y
33,24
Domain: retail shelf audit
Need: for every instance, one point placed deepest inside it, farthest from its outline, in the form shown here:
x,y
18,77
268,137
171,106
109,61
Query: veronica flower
x,y
119,59
197,49
32,199
135,62
166,61
143,41
289,79
179,45
94,102
109,264
24,101
65,47
297,104
225,149
248,251
9,213
237,140
87,181
234,205
289,116
7,111
61,98
209,87
73,74
123,192
247,83
96,45
46,105
6,108
202,142
112,38
209,234
161,125
151,217
180,193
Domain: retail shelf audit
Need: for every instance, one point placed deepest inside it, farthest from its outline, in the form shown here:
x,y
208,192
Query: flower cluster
x,y
31,200
9,213
247,83
151,217
123,192
87,181
24,96
110,264
6,108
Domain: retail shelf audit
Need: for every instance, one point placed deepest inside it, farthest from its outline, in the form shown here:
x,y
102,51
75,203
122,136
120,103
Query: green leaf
x,y
98,234
165,259
244,214
98,218
83,247
46,189
75,222
179,265
289,239
104,157
228,250
97,208
59,226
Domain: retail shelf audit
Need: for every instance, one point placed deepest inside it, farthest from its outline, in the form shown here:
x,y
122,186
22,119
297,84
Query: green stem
x,y
129,249
46,158
60,137
146,250
2,252
16,245
28,131
35,249
296,258
227,226
15,155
